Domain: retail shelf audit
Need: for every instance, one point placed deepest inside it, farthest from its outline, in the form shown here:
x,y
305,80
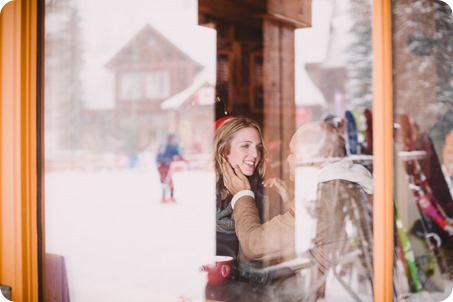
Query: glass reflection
x,y
422,51
125,224
120,79
334,191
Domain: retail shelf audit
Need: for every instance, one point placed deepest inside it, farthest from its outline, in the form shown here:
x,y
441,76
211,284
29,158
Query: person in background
x,y
343,188
167,153
238,141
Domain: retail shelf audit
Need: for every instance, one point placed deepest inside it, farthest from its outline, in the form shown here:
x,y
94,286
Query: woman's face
x,y
245,151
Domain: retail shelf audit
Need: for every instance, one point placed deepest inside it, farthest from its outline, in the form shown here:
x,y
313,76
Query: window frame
x,y
22,226
19,230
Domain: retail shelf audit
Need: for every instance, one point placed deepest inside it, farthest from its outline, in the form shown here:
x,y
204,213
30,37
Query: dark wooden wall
x,y
255,65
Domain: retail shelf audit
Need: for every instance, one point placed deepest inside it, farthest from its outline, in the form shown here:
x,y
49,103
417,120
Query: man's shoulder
x,y
340,189
339,182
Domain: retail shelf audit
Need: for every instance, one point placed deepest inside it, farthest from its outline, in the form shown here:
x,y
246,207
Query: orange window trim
x,y
383,151
18,213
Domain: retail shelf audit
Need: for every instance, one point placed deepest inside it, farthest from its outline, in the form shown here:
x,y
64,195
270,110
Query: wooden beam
x,y
230,10
294,13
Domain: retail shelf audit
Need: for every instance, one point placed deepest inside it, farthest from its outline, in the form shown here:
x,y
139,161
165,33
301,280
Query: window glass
x,y
157,84
422,54
128,217
334,165
131,94
130,88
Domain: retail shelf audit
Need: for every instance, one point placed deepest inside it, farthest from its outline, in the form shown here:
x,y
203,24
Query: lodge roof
x,y
146,48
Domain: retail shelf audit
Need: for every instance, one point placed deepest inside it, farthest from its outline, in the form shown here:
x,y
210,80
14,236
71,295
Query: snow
x,y
120,243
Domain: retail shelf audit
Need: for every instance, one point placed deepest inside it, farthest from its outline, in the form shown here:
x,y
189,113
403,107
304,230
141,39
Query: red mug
x,y
219,271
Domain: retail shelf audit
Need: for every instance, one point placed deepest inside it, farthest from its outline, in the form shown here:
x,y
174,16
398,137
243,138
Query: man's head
x,y
313,143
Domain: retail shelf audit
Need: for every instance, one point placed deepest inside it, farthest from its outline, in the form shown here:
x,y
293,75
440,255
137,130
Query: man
x,y
341,194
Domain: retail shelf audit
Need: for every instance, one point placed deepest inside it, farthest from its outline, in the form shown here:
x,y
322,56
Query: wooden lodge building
x,y
148,70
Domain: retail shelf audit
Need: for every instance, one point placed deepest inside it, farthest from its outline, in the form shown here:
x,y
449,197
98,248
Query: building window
x,y
130,86
156,84
144,85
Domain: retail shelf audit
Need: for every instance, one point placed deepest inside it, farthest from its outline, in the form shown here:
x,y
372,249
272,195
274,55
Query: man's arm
x,y
273,239
263,241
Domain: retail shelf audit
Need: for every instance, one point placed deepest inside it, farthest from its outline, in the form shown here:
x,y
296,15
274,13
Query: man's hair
x,y
319,140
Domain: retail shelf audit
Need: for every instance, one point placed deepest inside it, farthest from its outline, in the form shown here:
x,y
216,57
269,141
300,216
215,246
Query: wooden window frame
x,y
19,229
256,84
229,102
18,150
383,151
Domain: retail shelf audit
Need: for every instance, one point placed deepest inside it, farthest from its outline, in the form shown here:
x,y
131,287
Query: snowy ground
x,y
120,243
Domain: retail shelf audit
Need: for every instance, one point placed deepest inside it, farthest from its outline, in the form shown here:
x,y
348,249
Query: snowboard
x,y
368,143
352,132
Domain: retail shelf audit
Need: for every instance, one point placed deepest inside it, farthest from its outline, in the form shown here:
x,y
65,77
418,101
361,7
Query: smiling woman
x,y
239,142
245,150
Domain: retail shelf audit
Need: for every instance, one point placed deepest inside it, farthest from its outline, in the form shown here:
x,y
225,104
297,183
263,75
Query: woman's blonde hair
x,y
222,147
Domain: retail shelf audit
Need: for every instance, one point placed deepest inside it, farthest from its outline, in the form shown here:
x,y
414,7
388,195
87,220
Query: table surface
x,y
285,289
239,291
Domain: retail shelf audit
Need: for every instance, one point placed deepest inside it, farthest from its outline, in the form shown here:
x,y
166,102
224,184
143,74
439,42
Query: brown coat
x,y
338,201
273,240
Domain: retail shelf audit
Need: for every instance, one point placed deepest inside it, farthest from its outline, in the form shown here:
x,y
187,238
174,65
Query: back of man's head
x,y
317,141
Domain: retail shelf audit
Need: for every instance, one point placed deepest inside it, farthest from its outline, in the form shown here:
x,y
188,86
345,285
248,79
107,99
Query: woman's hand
x,y
281,188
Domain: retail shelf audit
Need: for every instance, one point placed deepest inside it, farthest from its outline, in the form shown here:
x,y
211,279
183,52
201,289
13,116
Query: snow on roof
x,y
180,98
